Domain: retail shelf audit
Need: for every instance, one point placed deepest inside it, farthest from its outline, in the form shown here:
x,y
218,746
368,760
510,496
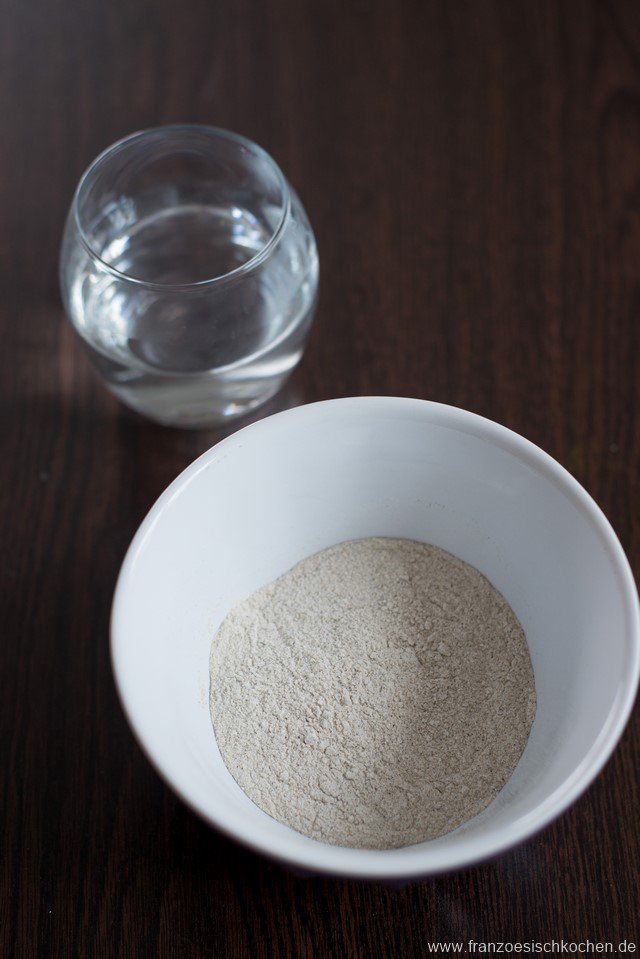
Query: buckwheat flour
x,y
378,694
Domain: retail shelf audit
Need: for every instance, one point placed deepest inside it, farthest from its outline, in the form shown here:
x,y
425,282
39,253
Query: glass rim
x,y
214,132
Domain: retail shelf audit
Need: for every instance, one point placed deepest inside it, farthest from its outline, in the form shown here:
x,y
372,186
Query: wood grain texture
x,y
472,171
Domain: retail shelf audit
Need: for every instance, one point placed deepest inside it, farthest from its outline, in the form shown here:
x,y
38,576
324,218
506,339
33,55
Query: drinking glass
x,y
189,270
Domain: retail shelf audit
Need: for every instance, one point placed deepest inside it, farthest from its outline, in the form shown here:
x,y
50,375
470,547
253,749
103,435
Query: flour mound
x,y
378,694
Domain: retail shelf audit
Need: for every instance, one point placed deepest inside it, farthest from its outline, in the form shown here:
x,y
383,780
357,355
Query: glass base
x,y
179,408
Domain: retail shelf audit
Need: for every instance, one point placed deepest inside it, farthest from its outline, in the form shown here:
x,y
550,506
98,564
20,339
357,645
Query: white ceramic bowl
x,y
299,481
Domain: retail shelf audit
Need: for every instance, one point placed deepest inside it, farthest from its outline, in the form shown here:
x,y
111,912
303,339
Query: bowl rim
x,y
388,864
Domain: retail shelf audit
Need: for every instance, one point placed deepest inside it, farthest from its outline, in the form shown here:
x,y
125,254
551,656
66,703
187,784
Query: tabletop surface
x,y
472,173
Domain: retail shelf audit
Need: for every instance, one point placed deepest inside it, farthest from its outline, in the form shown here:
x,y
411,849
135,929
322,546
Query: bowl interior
x,y
303,480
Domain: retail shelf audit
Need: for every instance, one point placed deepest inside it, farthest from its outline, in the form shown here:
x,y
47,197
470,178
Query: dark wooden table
x,y
472,171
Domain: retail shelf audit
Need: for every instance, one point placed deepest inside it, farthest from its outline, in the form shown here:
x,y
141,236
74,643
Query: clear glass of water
x,y
190,272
